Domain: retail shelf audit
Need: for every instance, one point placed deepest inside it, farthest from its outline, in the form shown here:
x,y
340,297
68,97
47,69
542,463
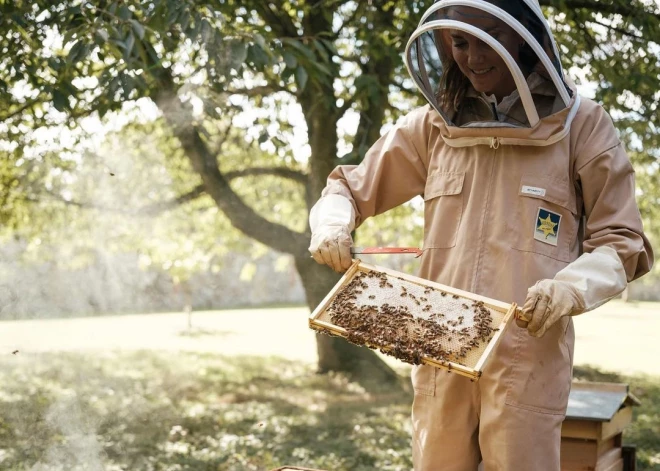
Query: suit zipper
x,y
476,276
496,115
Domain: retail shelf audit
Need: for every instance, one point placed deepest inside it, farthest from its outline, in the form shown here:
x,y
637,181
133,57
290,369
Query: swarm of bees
x,y
393,323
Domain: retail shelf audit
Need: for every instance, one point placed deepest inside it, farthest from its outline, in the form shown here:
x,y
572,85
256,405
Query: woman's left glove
x,y
588,282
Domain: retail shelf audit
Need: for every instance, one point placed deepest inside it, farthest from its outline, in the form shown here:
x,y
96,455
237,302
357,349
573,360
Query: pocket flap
x,y
548,189
443,183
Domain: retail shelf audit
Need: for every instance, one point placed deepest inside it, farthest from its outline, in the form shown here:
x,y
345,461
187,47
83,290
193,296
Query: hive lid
x,y
598,401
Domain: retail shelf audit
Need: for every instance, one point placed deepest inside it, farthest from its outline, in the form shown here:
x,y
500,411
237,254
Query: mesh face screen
x,y
487,64
410,321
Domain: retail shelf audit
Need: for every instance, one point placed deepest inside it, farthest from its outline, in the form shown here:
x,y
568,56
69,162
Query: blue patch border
x,y
539,235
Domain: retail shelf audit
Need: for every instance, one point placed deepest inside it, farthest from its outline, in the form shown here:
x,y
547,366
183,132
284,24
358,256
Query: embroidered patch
x,y
547,226
532,190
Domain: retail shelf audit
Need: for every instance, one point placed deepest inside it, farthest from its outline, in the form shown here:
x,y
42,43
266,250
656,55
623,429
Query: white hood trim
x,y
519,28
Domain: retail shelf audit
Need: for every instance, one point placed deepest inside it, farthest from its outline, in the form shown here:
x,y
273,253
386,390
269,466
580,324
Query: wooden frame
x,y
507,310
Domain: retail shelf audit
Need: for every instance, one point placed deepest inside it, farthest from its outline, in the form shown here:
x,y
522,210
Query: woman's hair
x,y
454,84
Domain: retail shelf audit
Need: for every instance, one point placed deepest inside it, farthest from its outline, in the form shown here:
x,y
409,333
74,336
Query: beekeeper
x,y
529,198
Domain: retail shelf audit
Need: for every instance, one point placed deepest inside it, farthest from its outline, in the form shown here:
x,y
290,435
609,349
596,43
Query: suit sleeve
x,y
393,170
607,182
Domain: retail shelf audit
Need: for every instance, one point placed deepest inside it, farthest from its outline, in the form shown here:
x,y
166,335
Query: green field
x,y
189,411
81,395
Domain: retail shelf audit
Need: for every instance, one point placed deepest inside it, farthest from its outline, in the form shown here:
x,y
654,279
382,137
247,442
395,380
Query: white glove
x,y
591,280
332,219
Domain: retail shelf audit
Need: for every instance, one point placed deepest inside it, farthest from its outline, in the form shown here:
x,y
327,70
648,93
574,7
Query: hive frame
x,y
508,311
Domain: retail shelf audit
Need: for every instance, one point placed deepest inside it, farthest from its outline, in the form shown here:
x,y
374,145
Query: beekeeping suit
x,y
529,198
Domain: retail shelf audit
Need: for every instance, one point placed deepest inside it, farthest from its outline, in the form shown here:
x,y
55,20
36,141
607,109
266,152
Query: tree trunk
x,y
336,354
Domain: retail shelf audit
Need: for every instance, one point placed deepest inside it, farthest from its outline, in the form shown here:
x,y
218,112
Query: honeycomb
x,y
411,321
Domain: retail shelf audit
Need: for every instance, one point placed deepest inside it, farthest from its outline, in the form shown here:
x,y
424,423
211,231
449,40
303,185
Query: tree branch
x,y
263,90
281,23
591,40
160,207
54,197
599,6
618,30
20,109
241,216
200,190
284,172
157,208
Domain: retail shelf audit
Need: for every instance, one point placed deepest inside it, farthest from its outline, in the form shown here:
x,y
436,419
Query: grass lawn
x,y
147,410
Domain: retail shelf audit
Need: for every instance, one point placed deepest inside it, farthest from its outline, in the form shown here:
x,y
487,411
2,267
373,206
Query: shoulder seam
x,y
596,156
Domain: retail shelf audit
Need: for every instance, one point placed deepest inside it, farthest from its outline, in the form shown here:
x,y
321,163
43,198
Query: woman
x,y
529,198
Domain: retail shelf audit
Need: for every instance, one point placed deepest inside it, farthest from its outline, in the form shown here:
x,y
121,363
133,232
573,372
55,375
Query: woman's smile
x,y
481,72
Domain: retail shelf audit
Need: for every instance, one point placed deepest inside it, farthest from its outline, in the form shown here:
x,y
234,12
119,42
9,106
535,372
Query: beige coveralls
x,y
481,208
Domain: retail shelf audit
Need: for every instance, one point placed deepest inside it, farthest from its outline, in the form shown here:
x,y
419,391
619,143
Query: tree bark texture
x,y
321,114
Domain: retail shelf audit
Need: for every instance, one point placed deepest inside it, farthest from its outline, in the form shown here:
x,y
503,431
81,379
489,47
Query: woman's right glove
x,y
332,220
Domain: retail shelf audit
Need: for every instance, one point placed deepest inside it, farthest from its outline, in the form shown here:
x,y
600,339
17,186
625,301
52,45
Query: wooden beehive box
x,y
449,328
592,430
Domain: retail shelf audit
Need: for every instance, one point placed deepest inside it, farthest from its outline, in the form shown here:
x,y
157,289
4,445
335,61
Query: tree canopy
x,y
259,78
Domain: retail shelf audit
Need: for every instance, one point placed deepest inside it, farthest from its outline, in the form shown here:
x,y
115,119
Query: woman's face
x,y
484,67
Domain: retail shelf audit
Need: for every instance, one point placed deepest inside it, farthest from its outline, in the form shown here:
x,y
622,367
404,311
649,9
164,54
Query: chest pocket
x,y
546,217
443,208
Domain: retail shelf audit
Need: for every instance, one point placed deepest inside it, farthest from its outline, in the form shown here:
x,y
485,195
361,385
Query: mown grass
x,y
198,412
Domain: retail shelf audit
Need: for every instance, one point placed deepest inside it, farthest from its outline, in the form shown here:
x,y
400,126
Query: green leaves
x,y
258,58
101,36
290,59
60,100
370,86
94,58
305,60
138,29
300,47
301,77
238,53
78,52
124,12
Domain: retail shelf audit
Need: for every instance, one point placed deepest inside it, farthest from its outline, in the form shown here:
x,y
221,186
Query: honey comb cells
x,y
410,321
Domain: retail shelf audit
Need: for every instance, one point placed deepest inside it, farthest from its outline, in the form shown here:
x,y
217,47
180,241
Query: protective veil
x,y
463,47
